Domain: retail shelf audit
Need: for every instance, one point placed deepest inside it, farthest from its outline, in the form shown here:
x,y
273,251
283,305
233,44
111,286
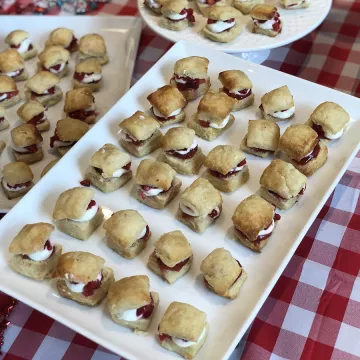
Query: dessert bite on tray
x,y
205,5
19,40
33,112
63,37
295,4
9,93
245,6
266,20
93,46
176,15
88,74
54,59
12,64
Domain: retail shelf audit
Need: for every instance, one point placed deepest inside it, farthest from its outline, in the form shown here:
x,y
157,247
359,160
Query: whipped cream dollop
x,y
14,73
186,210
220,26
89,214
333,136
22,149
267,231
177,16
59,143
124,136
129,315
78,287
142,234
3,96
237,168
267,25
184,152
24,46
119,173
184,344
8,188
41,255
152,4
153,191
91,78
239,92
159,114
222,125
61,68
283,114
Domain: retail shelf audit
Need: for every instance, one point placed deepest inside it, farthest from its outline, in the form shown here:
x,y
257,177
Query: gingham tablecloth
x,y
313,312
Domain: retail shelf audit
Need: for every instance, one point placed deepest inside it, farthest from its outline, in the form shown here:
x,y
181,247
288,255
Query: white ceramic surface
x,y
296,24
228,319
122,36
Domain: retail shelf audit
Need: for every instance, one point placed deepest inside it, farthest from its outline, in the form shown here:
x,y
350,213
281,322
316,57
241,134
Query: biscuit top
x,y
17,173
71,129
201,197
30,109
7,84
140,126
167,99
11,60
263,12
78,266
90,65
16,37
222,13
109,159
277,100
330,116
263,134
193,66
129,293
215,107
60,36
155,173
173,248
25,135
92,45
283,179
42,81
73,203
54,55
31,238
174,7
220,270
183,321
253,215
125,227
224,158
78,99
235,80
178,138
298,141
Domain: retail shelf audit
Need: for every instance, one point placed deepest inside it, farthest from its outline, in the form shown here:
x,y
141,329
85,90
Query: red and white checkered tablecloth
x,y
313,312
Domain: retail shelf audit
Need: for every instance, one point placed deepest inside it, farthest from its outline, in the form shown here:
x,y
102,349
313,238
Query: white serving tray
x,y
228,319
121,35
296,24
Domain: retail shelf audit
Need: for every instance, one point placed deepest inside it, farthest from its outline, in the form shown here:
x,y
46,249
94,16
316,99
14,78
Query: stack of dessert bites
x,y
288,159
43,89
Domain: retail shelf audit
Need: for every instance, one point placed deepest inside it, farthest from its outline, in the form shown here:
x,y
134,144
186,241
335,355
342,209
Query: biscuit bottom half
x,y
10,102
242,104
283,204
225,36
192,94
29,158
15,194
254,151
93,300
46,100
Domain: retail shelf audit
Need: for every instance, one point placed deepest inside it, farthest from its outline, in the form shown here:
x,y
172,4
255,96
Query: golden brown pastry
x,y
54,59
155,5
140,134
191,76
281,184
63,37
266,20
205,5
222,25
167,105
295,4
172,257
131,303
33,112
33,253
181,151
109,169
13,65
127,233
254,222
4,124
9,94
176,15
80,105
213,115
93,46
227,168
88,74
183,329
77,214
19,40
262,138
44,88
27,144
200,205
17,179
82,277
156,183
238,86
67,133
245,6
48,167
303,148
223,274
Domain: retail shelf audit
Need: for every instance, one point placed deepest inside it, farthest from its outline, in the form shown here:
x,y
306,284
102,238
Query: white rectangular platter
x,y
228,319
121,35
